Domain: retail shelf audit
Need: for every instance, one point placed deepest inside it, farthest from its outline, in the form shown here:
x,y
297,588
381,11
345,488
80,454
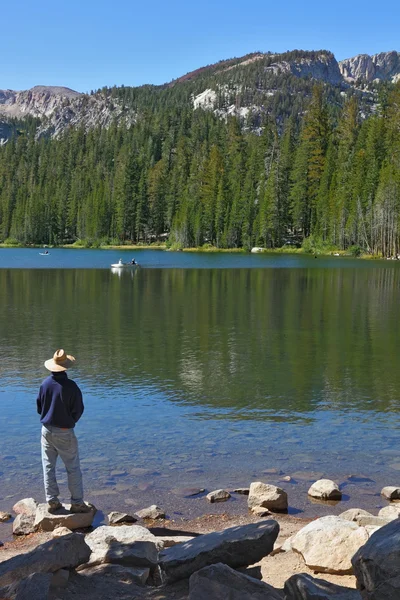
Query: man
x,y
60,406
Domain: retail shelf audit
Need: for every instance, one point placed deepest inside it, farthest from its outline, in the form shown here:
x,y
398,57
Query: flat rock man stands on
x,y
60,406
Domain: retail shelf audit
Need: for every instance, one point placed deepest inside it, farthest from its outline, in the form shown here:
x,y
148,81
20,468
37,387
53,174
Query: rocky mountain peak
x,y
383,66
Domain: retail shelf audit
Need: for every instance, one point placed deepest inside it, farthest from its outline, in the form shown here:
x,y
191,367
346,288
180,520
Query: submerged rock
x,y
218,496
220,581
325,489
267,496
235,546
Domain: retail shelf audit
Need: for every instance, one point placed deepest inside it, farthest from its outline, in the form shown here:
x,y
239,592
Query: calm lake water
x,y
205,370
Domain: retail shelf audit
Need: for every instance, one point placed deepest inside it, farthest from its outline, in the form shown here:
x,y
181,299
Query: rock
x,y
23,524
391,493
60,579
287,478
25,506
328,544
218,496
220,581
325,489
169,541
59,531
35,587
390,512
235,546
363,521
152,512
129,575
108,543
187,492
267,496
305,587
244,491
353,513
4,516
46,521
116,517
377,564
259,511
67,552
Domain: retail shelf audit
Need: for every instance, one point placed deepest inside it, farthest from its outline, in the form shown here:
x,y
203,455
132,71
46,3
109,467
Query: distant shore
x,y
203,249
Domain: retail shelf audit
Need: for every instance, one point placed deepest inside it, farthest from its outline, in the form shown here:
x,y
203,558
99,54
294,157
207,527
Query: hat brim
x,y
54,367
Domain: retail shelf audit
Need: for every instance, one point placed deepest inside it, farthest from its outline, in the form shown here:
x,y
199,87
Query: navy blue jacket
x,y
59,402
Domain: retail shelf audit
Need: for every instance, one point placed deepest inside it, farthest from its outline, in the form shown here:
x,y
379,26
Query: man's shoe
x,y
80,507
53,506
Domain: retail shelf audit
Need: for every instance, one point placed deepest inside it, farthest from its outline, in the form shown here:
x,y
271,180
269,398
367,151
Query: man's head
x,y
60,362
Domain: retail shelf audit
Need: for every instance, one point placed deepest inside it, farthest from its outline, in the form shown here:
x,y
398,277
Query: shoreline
x,y
200,249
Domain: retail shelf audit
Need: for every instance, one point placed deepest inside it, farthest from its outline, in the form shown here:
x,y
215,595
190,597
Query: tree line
x,y
329,178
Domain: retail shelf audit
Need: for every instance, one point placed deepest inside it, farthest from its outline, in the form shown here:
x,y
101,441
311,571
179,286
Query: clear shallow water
x,y
208,377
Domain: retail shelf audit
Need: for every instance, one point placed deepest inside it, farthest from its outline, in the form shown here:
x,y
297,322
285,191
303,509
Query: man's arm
x,y
77,407
39,401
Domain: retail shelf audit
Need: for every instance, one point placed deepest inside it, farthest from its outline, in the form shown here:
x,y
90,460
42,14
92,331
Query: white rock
x,y
24,524
151,512
267,496
116,517
25,506
259,511
390,512
363,521
59,531
391,493
353,513
104,540
328,544
46,521
325,489
218,496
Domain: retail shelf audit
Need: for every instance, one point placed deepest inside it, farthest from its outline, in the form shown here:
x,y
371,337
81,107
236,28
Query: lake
x,y
205,371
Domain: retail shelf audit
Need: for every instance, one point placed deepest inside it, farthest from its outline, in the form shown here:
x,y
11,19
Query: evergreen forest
x,y
323,175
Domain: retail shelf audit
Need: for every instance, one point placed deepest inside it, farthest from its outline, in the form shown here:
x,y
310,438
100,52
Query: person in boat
x,y
46,252
60,406
120,262
133,262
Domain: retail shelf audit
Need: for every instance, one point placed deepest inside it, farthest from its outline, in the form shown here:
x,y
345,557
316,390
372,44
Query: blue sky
x,y
87,44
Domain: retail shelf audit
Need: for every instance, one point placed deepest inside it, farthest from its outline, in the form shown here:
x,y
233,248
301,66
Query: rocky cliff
x,y
383,66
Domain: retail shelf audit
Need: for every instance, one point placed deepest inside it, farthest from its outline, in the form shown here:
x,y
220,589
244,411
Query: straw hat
x,y
59,362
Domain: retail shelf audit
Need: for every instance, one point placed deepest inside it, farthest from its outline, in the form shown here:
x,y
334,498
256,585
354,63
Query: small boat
x,y
122,265
44,253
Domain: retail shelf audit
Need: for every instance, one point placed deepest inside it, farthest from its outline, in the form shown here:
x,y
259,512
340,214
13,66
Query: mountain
x,y
384,66
250,87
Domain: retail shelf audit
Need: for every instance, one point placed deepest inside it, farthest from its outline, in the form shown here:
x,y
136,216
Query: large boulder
x,y
377,564
235,546
328,544
220,581
129,545
325,489
25,506
33,587
67,552
267,496
305,587
46,521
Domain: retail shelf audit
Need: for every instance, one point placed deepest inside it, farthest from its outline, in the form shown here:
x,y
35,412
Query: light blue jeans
x,y
61,442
